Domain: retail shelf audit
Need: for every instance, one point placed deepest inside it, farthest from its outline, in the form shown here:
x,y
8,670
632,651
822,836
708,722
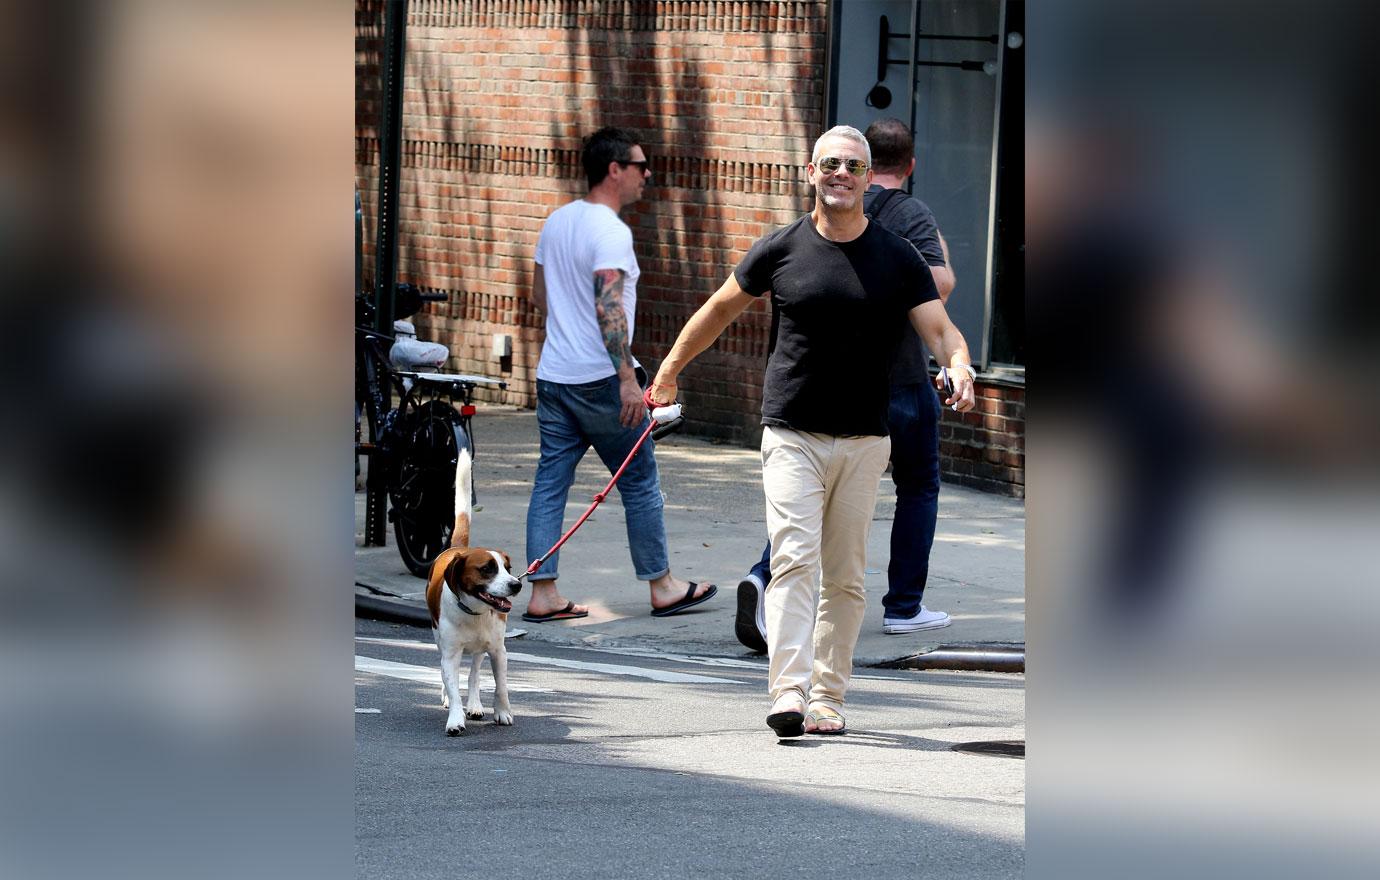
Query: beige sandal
x,y
819,713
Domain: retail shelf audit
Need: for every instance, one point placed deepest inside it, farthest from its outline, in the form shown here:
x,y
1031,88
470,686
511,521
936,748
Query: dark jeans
x,y
913,420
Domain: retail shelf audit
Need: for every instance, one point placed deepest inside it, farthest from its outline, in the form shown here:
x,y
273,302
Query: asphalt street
x,y
637,764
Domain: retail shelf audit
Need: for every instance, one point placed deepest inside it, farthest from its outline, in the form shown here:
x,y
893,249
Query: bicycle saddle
x,y
413,354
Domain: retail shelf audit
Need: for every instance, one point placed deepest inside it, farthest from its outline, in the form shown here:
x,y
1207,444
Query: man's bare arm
x,y
613,321
932,322
613,327
944,278
705,326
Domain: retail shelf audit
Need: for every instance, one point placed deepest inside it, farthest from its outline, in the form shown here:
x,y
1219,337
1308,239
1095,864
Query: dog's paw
x,y
455,729
474,714
502,717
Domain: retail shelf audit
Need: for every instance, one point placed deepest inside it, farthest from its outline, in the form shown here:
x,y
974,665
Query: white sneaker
x,y
924,619
750,625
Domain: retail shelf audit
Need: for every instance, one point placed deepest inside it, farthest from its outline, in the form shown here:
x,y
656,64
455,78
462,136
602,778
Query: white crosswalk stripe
x,y
615,669
726,662
430,674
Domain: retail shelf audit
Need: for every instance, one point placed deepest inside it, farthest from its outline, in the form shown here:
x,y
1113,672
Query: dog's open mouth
x,y
501,604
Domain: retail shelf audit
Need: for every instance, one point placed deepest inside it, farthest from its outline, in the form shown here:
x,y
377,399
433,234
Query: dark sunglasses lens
x,y
830,164
857,167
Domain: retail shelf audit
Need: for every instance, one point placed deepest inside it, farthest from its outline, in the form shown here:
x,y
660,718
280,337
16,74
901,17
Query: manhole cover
x,y
1006,748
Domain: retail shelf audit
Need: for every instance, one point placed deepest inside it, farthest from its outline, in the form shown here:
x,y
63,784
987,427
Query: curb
x,y
957,658
962,658
390,611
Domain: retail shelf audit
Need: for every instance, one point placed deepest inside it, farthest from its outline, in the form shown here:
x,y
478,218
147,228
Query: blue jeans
x,y
571,419
913,421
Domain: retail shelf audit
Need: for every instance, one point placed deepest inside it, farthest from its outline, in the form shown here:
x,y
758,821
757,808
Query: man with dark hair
x,y
606,146
589,386
846,292
912,417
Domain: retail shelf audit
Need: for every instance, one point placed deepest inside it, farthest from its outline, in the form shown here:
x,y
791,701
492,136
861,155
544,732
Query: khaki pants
x,y
821,493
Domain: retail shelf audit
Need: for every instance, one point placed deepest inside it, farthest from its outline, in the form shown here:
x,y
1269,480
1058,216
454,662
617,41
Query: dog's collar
x,y
465,608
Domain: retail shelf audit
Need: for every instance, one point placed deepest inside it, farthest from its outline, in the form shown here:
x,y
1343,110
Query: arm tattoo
x,y
613,322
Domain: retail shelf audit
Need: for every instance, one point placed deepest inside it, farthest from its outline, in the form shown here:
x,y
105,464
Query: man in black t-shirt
x,y
844,289
912,419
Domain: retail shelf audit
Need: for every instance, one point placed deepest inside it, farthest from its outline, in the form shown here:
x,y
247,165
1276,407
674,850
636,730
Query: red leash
x,y
672,421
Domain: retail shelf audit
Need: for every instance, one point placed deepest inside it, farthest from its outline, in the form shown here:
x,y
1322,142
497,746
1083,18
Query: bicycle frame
x,y
411,447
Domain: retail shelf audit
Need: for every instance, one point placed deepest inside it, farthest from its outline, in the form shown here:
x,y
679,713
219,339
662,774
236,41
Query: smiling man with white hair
x,y
844,290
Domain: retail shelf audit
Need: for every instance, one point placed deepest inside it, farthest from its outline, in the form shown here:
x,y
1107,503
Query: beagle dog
x,y
469,593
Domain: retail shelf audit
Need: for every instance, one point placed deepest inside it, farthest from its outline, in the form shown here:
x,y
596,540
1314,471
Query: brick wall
x,y
728,98
985,448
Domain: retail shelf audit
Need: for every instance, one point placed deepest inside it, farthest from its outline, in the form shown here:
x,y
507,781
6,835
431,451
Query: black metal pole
x,y
386,250
914,63
359,246
390,162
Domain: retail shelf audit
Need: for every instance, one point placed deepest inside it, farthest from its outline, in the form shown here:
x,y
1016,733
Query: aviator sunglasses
x,y
830,164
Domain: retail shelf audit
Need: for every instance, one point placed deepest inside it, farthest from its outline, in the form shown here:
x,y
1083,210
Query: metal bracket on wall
x,y
880,96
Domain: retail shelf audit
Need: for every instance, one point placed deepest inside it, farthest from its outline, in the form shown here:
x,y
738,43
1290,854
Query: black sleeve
x,y
918,288
755,272
923,232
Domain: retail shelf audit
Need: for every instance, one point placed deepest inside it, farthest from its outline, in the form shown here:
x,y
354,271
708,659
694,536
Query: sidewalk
x,y
715,529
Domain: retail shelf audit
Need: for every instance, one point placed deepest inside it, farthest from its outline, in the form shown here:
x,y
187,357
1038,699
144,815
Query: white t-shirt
x,y
576,240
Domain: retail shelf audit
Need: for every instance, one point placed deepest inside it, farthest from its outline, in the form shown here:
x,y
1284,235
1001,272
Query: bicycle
x,y
412,449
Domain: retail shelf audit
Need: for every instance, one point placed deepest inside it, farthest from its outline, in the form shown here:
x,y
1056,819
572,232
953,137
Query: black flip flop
x,y
566,613
690,601
787,724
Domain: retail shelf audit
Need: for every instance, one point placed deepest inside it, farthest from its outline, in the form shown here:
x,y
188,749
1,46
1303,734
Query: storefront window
x,y
966,104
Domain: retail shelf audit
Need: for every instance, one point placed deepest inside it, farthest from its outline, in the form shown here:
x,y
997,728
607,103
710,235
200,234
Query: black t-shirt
x,y
909,218
842,310
913,220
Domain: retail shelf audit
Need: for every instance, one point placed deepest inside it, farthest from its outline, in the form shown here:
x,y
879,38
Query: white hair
x,y
844,131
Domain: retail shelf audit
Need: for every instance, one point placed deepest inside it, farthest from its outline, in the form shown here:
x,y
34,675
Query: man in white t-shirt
x,y
588,388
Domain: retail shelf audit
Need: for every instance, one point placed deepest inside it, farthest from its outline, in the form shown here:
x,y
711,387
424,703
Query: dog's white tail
x,y
460,537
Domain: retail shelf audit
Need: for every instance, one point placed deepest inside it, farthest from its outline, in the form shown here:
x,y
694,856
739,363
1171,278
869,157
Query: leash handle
x,y
654,406
674,425
667,419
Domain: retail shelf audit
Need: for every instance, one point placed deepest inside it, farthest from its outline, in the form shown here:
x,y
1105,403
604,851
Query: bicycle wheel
x,y
423,494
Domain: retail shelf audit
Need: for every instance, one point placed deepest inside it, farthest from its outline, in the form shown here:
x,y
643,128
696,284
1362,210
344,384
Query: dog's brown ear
x,y
454,571
508,562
